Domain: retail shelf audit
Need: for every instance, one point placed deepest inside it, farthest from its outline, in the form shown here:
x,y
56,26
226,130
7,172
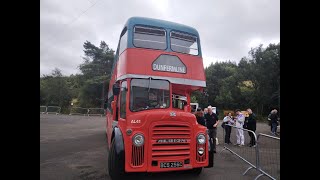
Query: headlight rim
x,y
202,149
201,134
133,139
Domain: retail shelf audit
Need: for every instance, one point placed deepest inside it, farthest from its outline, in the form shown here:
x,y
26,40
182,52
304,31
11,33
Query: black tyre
x,y
195,171
115,164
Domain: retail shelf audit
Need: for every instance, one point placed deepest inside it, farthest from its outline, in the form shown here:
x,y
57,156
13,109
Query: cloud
x,y
228,29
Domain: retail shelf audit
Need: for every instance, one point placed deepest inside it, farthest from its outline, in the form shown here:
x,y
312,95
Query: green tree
x,y
215,76
96,70
265,75
91,93
75,82
97,61
254,82
54,90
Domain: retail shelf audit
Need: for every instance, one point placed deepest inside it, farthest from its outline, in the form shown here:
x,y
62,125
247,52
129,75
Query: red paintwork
x,y
138,61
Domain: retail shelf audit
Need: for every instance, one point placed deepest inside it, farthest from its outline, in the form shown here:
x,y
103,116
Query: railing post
x,y
257,151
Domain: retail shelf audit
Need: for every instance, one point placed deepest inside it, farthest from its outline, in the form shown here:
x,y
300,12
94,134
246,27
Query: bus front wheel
x,y
196,171
115,164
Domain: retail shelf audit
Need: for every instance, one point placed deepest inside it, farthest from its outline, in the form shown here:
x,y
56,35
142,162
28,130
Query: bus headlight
x,y
201,139
200,151
138,140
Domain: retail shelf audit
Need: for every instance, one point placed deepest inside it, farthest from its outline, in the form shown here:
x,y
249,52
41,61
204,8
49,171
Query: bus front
x,y
157,67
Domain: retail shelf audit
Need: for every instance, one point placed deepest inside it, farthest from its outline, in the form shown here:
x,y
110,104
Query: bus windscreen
x,y
149,94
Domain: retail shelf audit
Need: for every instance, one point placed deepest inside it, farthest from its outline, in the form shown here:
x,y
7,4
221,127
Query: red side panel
x,y
139,61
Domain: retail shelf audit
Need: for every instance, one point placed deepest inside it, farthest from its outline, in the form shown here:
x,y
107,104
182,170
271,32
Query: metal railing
x,y
87,111
241,148
96,112
50,110
78,111
264,156
73,111
53,110
268,156
43,109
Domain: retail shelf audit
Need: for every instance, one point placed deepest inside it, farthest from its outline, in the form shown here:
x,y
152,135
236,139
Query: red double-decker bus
x,y
150,127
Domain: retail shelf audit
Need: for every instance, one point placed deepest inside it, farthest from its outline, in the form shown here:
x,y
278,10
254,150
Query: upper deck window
x,y
123,40
149,37
184,43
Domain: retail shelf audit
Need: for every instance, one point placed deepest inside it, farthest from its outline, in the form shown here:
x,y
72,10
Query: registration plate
x,y
170,164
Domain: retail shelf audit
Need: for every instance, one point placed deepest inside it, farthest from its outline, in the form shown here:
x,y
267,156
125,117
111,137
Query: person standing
x,y
212,122
228,121
205,111
274,121
200,118
252,125
239,124
269,120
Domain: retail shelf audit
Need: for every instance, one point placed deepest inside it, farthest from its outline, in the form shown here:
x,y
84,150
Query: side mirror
x,y
116,89
113,106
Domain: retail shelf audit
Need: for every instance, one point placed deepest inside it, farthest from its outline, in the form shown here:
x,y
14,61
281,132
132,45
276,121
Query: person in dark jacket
x,y
200,118
212,122
228,121
251,125
269,121
274,121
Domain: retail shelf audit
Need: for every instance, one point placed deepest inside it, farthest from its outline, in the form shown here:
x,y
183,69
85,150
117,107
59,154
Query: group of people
x,y
240,121
210,119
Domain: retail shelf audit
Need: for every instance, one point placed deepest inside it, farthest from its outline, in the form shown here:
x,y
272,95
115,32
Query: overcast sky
x,y
227,28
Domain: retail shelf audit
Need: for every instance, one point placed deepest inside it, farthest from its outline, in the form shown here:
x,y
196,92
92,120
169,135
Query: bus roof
x,y
160,23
